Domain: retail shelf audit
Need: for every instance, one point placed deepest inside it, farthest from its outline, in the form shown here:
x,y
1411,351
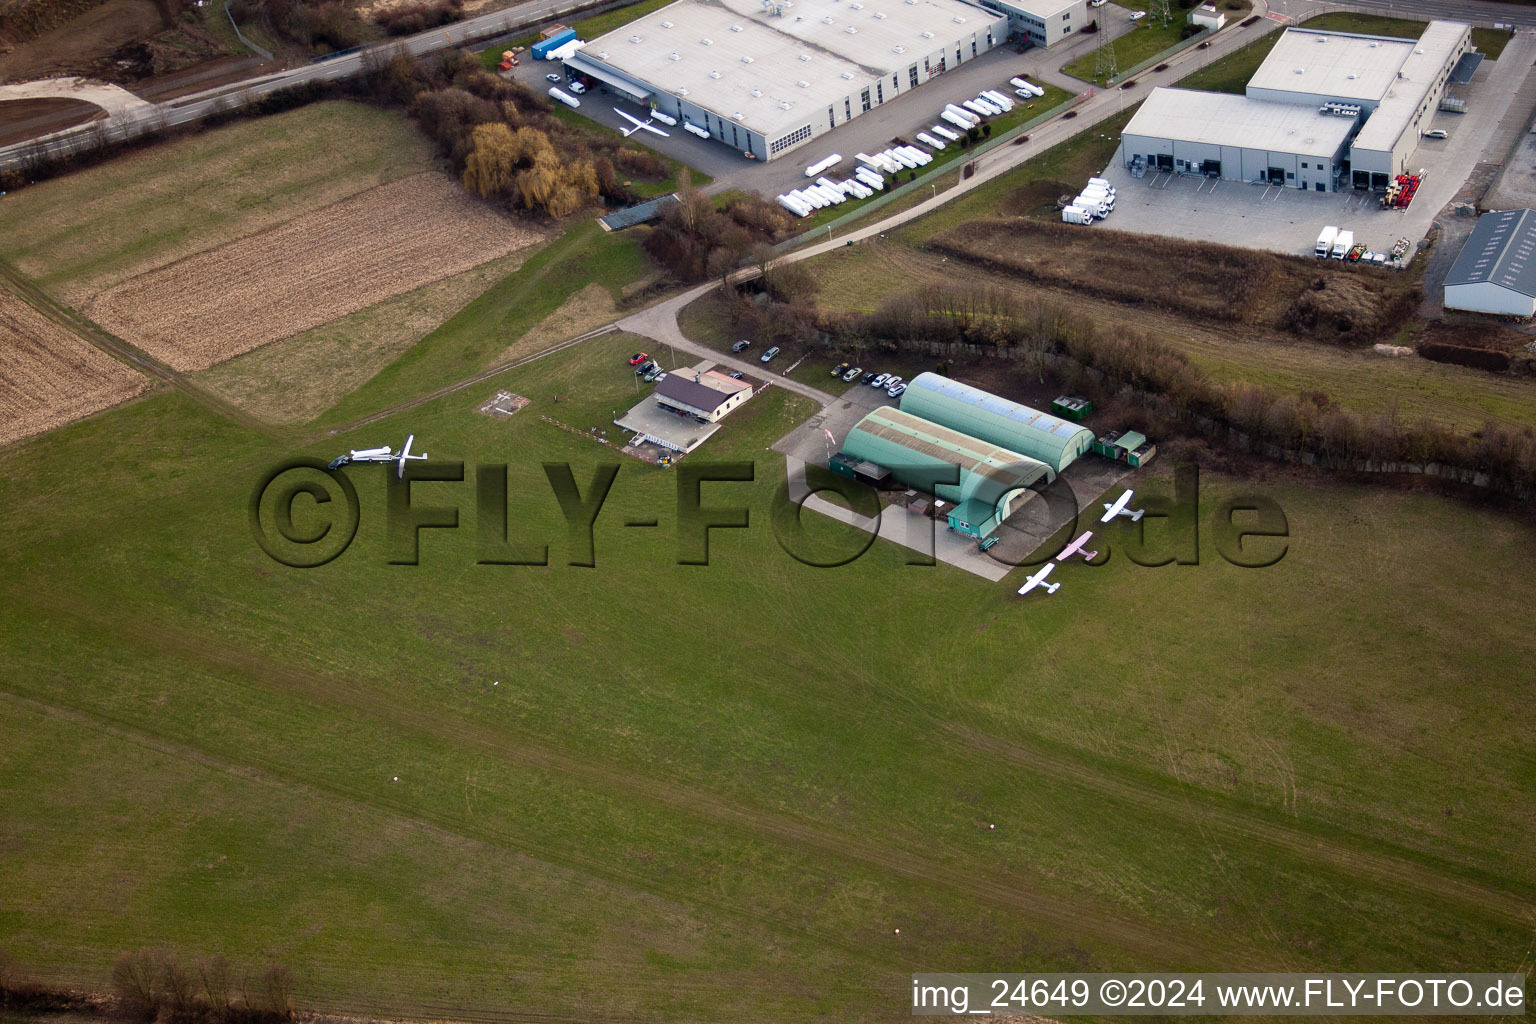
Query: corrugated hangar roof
x,y
1501,250
988,471
1226,119
774,67
1039,435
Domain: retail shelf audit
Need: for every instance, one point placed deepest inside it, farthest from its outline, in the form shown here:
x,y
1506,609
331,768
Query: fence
x,y
262,52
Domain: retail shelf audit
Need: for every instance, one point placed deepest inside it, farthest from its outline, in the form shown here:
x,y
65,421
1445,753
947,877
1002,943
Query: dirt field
x,y
378,244
49,377
25,119
119,40
81,234
1343,305
298,378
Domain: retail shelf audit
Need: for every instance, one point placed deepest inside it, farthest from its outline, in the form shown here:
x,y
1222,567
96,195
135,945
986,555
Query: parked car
x,y
879,382
578,88
853,374
741,346
837,371
735,375
1138,15
551,78
650,374
1437,133
868,378
646,367
767,357
892,381
638,358
896,391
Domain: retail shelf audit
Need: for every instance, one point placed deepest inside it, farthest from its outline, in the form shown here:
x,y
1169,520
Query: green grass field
x,y
649,789
1146,40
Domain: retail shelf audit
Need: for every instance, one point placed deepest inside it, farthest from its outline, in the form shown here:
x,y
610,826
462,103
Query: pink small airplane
x,y
1076,547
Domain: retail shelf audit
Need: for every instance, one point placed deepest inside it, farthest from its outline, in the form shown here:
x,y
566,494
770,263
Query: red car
x,y
638,358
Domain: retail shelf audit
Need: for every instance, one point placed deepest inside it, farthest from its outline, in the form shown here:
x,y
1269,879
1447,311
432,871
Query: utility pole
x,y
1159,10
1104,63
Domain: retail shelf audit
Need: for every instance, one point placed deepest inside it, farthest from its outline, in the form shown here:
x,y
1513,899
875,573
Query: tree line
x,y
1163,393
154,985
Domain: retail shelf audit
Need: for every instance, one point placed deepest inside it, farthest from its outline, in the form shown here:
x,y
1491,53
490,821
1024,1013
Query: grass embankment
x,y
474,337
587,28
447,789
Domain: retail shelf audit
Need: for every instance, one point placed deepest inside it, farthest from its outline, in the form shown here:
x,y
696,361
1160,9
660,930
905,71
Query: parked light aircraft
x,y
1038,580
638,124
1118,509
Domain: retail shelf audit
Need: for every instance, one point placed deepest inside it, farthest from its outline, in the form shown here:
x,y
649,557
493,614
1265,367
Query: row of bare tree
x,y
152,984
1051,339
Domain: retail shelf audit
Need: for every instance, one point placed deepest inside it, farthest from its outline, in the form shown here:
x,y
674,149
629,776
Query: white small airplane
x,y
639,124
1076,547
1038,580
384,454
1118,509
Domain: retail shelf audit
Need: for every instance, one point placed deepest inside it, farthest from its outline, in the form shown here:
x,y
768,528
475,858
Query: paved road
x,y
126,123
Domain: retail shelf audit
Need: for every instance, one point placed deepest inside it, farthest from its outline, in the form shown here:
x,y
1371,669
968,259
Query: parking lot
x,y
1288,220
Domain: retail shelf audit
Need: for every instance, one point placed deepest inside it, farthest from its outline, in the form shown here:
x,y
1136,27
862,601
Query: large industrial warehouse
x,y
1325,111
767,76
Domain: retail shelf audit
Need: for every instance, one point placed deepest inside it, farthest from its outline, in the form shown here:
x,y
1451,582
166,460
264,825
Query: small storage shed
x,y
1072,407
1126,446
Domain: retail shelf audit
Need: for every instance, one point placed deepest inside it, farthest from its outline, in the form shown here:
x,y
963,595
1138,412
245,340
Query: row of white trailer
x,y
871,174
1095,202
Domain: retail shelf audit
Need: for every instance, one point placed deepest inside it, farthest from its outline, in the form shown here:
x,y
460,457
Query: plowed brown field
x,y
48,376
212,306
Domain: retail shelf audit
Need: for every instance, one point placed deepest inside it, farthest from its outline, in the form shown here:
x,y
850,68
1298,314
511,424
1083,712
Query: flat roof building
x,y
1043,22
1496,270
920,453
1038,435
767,76
1325,110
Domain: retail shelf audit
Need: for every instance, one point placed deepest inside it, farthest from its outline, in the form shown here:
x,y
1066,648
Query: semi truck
x,y
542,48
1325,241
1342,243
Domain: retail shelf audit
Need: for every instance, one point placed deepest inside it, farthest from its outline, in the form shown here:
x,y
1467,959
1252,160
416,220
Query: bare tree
x,y
213,974
277,990
133,981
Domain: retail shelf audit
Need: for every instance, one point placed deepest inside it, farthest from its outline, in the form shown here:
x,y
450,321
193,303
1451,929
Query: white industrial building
x,y
1043,22
1359,101
767,76
1229,136
1496,270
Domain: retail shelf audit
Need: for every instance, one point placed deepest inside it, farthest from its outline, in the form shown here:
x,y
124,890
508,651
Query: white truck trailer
x,y
1342,243
1325,240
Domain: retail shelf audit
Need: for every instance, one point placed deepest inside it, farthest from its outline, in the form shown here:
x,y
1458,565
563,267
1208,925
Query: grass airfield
x,y
649,789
